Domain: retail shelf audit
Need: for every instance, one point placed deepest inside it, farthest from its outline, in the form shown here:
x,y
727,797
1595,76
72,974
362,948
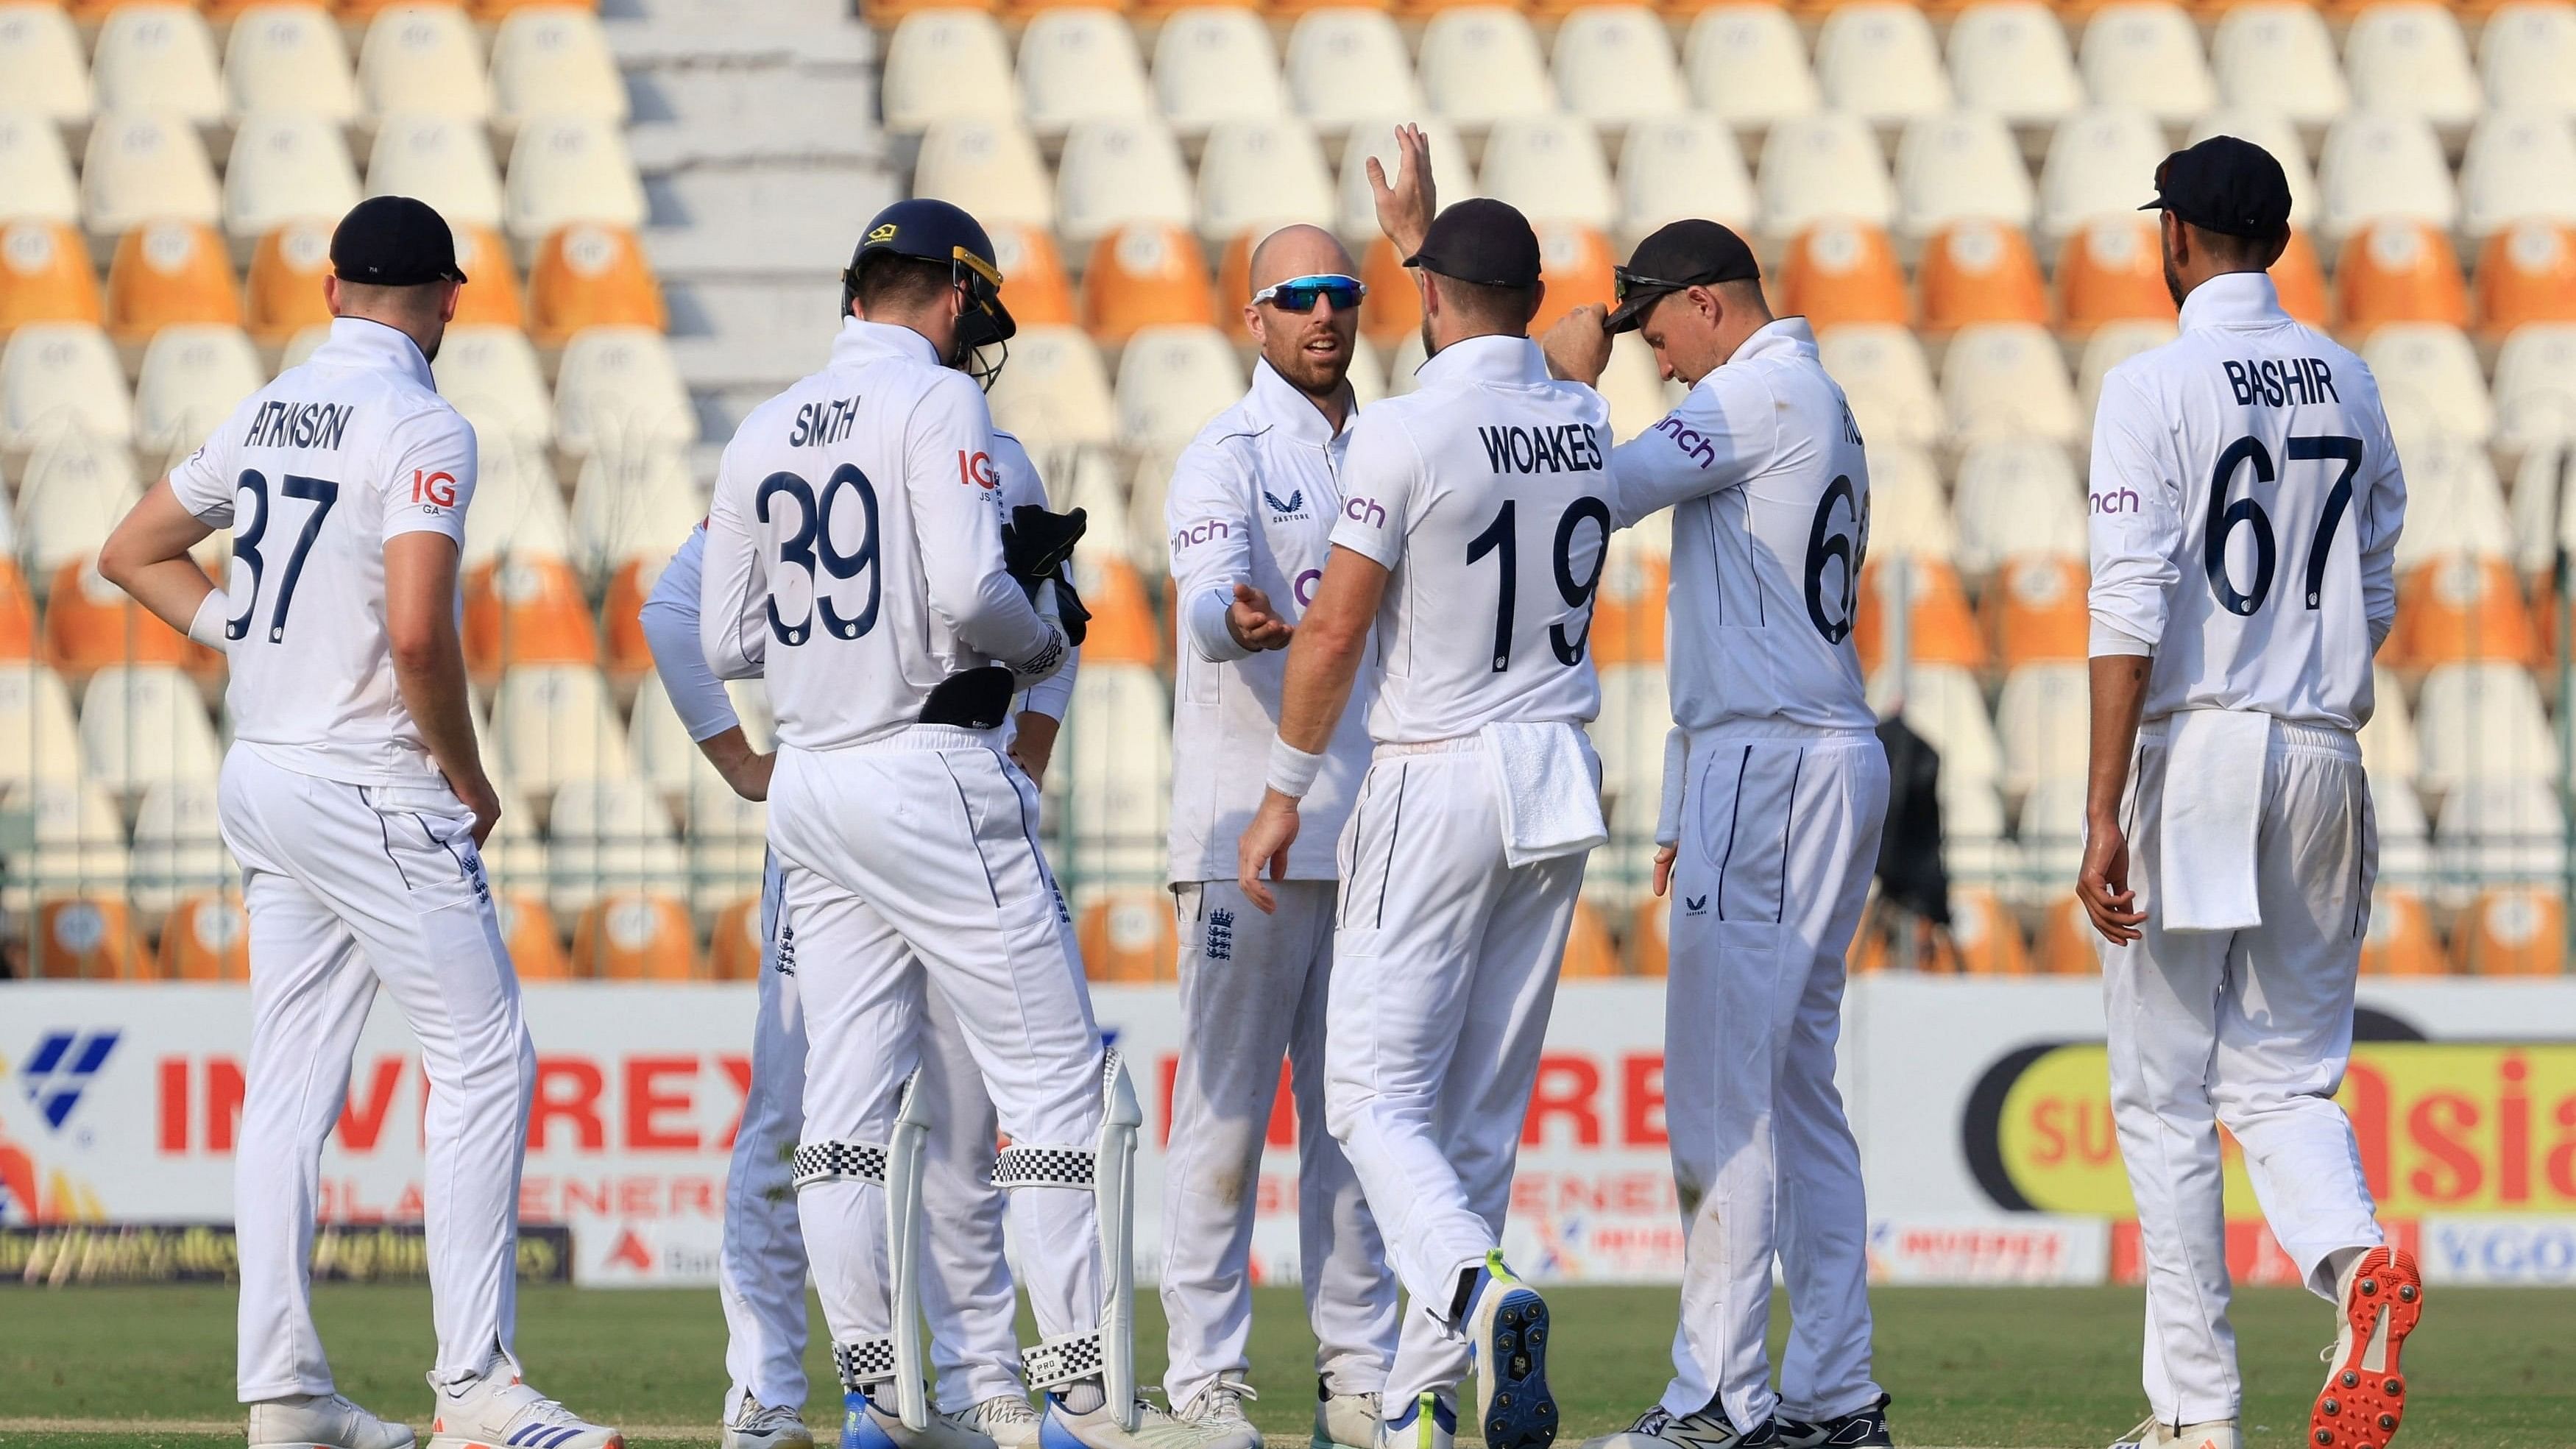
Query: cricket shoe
x,y
1863,1429
1156,1428
1218,1408
2382,1296
322,1421
865,1426
2209,1434
1660,1428
1507,1343
1006,1419
1344,1421
1428,1424
755,1425
498,1411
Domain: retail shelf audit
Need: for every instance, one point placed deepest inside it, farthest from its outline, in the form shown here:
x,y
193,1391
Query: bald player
x,y
1251,511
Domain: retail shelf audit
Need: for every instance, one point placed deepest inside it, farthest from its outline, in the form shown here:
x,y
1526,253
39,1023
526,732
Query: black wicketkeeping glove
x,y
1036,543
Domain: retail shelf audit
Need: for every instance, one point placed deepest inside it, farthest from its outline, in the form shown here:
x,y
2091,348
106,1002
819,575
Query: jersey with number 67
x,y
1485,493
314,475
2246,501
1762,466
854,545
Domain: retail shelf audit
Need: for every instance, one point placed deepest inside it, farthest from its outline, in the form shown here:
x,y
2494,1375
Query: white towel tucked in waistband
x,y
2213,807
1551,795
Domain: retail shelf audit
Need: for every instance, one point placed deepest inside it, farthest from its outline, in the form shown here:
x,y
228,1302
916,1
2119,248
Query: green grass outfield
x,y
2493,1369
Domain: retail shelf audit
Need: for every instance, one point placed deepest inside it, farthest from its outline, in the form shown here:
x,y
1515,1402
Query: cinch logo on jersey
x,y
1565,448
298,425
2124,501
1690,440
1198,533
60,1067
820,424
1304,588
2276,382
1365,510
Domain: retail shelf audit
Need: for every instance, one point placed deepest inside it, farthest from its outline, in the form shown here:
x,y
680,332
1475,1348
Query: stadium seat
x,y
553,723
1347,64
43,70
286,166
2481,719
1145,274
552,60
1672,167
143,166
1946,706
17,614
1055,394
2388,746
1634,389
1080,64
1119,169
75,488
2040,721
2278,55
2099,162
1876,59
1172,379
1113,774
1636,714
1840,274
1258,175
45,275
1356,217
1748,65
1823,166
2520,167
36,182
1941,628
2112,270
527,926
2382,166
589,275
1480,63
2535,388
39,737
158,58
443,160
567,168
192,378
1129,935
179,845
1909,512
206,938
1614,66
2146,54
1985,939
1576,266
946,62
424,60
166,273
2408,57
87,937
2068,944
735,946
1886,379
2008,59
2275,133
2301,281
1649,937
2462,607
290,59
91,626
2399,270
619,385
54,374
2454,504
144,725
490,373
628,506
1628,607
635,936
2399,940
2527,57
1551,168
2430,381
989,166
2008,380
2050,835
663,752
1393,310
491,295
1033,280
2527,276
526,608
2018,498
518,510
2499,829
1589,954
1960,165
610,834
2035,610
2512,931
1216,63
1980,271
285,282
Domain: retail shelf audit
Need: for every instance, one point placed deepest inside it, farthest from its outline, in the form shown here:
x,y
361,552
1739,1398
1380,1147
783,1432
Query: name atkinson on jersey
x,y
299,425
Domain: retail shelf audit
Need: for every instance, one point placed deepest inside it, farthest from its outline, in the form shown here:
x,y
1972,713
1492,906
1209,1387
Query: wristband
x,y
207,627
1292,770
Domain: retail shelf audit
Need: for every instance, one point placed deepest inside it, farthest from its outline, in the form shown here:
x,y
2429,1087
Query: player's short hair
x,y
1504,309
892,281
2247,253
420,299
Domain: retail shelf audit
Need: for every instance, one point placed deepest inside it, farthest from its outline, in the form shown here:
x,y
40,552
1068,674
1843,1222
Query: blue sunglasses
x,y
1300,294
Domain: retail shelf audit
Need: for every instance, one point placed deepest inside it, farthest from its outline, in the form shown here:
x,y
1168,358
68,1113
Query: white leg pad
x,y
903,1242
1108,1168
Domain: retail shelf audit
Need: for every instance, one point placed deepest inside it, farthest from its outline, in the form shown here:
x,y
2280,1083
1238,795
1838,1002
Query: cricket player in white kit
x,y
355,800
1473,526
1251,510
1775,788
2246,502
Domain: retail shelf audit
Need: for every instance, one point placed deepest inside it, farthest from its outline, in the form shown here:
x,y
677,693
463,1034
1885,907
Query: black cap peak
x,y
2225,184
1480,240
394,241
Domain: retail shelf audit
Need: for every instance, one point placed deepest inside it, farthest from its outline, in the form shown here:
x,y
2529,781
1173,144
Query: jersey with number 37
x,y
314,474
2246,502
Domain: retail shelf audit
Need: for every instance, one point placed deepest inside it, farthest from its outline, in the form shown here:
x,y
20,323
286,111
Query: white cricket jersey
x,y
1252,501
314,474
1486,494
854,545
2246,505
1763,468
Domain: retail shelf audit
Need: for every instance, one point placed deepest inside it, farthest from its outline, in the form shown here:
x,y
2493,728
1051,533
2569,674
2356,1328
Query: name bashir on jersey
x,y
1565,448
821,424
2282,381
298,425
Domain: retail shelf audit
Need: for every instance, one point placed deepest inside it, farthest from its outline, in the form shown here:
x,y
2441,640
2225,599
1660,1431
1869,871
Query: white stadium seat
x,y
945,62
1259,174
555,60
36,181
1823,166
629,505
62,374
555,722
2455,509
2040,719
42,69
2018,498
1113,774
286,166
518,509
1055,394
1629,734
1748,65
2535,387
1347,64
1683,166
158,58
2146,54
289,58
1480,63
1876,59
1633,389
610,836
2007,380
1888,382
2527,56
618,386
424,60
179,844
1171,380
39,739
144,166
2388,746
1215,63
2008,58
656,739
1909,515
2520,167
1080,64
2110,345
1551,168
2499,830
193,376
79,841
2276,133
441,159
1116,170
728,841
2408,56
145,724
1374,137
2475,720
1947,707
2277,55
490,374
2429,381
2378,165
1614,65
990,166
2100,162
1957,166
566,167
74,490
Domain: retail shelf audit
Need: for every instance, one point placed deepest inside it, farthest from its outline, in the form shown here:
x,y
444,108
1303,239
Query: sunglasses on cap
x,y
1623,282
1300,294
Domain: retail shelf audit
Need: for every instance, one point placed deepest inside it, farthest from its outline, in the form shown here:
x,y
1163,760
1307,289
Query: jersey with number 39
x,y
314,475
2246,501
1485,493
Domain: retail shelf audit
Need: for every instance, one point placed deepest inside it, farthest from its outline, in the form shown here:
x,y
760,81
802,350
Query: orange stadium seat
x,y
1589,955
286,271
1123,630
2112,271
2400,941
1575,264
87,938
2400,271
1980,271
2068,944
1145,274
2511,931
491,10
165,272
1234,287
528,928
621,619
636,936
1628,610
1842,271
91,624
45,275
1944,630
206,938
1034,285
1129,935
1985,937
2459,608
1650,937
526,610
1393,308
2527,273
491,294
586,275
733,948
2301,280
17,614
2035,610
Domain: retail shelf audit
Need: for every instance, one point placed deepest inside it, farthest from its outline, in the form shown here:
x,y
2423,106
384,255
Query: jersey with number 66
x,y
314,474
2246,501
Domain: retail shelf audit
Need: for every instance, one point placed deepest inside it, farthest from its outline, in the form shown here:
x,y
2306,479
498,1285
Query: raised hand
x,y
1406,206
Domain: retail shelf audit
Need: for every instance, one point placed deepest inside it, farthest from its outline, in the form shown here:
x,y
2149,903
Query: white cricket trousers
x,y
966,1285
1780,827
908,864
349,886
2250,1030
1444,970
1253,990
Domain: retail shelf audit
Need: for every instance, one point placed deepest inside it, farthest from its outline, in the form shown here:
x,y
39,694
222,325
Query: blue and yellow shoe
x,y
1426,1423
1507,1342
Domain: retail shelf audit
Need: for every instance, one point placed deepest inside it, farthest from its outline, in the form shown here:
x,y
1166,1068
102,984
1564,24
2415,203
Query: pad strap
x,y
864,1361
1043,1167
839,1162
1053,1363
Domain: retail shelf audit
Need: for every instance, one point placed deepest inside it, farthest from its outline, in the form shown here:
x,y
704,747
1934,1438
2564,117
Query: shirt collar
x,y
1278,402
862,342
369,346
1492,360
1786,335
2233,299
